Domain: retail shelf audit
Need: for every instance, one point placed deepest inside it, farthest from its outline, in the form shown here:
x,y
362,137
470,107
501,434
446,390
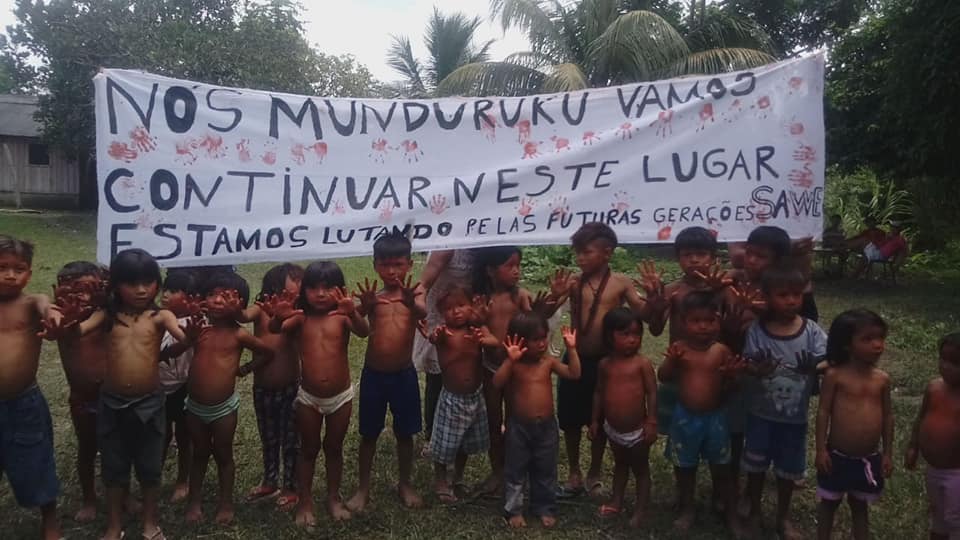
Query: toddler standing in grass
x,y
84,363
936,437
854,417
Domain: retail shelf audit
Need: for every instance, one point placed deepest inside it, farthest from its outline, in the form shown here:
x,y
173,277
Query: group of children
x,y
745,357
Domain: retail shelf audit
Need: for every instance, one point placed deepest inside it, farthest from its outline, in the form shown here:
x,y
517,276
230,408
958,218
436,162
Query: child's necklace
x,y
594,304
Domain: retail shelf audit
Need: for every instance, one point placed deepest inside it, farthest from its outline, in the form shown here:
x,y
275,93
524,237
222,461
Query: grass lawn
x,y
918,311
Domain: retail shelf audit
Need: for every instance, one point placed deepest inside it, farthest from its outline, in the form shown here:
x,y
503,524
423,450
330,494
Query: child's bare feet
x,y
517,521
788,531
548,521
304,516
574,483
636,521
409,496
180,492
224,515
358,503
194,514
86,513
338,511
683,523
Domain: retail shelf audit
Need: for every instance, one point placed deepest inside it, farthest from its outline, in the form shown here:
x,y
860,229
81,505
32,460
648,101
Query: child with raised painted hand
x,y
319,321
703,369
593,293
625,401
936,437
532,438
84,364
131,420
212,399
853,418
389,377
26,429
275,388
460,428
179,296
496,282
783,348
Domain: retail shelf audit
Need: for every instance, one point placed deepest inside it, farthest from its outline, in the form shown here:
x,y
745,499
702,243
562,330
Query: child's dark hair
x,y
325,273
952,340
592,231
528,325
844,327
695,238
275,280
773,238
130,266
392,245
698,300
20,248
618,319
78,269
454,292
179,280
227,281
782,275
487,258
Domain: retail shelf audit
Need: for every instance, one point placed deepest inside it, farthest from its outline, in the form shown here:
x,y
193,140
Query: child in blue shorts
x,y
389,377
702,369
26,430
787,347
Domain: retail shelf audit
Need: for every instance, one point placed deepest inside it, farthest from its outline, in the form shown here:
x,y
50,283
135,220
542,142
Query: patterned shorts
x,y
460,425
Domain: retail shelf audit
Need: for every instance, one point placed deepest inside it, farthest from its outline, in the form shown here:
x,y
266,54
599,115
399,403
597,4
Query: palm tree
x,y
593,43
450,45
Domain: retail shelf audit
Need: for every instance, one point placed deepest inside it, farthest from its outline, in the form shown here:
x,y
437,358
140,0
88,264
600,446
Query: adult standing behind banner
x,y
443,270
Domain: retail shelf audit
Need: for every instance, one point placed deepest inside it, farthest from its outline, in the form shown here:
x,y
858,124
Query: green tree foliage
x,y
16,74
593,43
892,106
450,41
226,42
799,25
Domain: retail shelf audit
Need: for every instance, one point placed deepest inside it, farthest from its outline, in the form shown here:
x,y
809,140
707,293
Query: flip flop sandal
x,y
596,489
447,497
564,492
287,502
155,536
607,511
262,493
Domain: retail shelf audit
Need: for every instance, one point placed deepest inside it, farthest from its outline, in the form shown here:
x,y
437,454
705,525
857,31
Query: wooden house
x,y
31,173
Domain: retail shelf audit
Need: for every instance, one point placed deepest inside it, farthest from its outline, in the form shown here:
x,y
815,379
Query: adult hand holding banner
x,y
202,174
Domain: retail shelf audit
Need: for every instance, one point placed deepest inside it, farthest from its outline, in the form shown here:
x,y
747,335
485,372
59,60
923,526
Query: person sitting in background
x,y
891,247
870,235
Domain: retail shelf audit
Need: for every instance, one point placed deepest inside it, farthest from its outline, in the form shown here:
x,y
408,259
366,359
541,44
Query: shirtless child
x,y
936,437
320,329
84,363
460,428
703,369
853,418
389,377
212,399
496,284
130,422
593,293
626,403
532,439
275,388
24,415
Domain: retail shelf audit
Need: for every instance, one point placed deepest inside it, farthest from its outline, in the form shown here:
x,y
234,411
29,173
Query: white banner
x,y
201,174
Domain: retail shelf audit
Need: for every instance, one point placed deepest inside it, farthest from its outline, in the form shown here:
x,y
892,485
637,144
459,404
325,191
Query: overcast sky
x,y
363,27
